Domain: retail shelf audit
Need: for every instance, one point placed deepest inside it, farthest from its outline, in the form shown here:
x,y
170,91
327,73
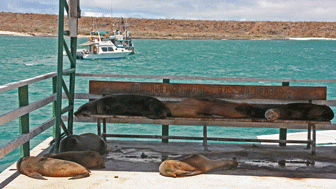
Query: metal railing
x,y
22,112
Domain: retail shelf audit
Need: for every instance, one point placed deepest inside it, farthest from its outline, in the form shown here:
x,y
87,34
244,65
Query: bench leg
x,y
98,127
205,138
283,136
309,136
165,132
314,140
104,129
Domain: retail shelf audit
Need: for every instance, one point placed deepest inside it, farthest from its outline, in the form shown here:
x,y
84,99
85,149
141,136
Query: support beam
x,y
283,132
24,120
165,128
73,11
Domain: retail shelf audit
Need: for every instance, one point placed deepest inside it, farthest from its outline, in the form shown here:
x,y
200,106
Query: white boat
x,y
115,46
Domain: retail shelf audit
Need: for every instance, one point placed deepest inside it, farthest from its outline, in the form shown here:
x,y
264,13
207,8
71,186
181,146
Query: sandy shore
x,y
10,33
14,33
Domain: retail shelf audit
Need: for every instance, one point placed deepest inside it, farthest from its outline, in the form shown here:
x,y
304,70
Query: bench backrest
x,y
179,90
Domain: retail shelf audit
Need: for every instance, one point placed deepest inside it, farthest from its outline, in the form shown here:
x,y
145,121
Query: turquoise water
x,y
26,57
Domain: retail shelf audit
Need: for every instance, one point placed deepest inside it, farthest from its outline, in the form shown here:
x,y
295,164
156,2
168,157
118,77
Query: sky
x,y
238,10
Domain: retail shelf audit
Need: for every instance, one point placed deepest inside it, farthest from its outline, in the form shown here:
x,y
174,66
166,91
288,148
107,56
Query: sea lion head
x,y
87,109
324,111
169,167
69,143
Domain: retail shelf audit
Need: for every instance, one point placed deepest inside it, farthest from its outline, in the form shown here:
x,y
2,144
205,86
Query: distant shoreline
x,y
10,33
46,25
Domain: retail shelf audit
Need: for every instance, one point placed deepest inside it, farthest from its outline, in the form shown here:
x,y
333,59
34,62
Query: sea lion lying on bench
x,y
124,104
194,165
300,111
201,107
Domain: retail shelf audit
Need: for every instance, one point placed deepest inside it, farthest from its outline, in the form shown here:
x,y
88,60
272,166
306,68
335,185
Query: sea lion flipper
x,y
36,176
153,116
182,173
87,174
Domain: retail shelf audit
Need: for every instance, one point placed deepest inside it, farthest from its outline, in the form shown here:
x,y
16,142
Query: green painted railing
x,y
22,112
59,86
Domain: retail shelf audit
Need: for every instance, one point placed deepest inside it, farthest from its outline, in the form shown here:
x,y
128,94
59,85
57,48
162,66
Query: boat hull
x,y
115,55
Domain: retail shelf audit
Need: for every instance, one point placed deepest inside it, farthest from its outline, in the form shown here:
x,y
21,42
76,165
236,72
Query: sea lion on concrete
x,y
135,105
201,107
194,165
37,167
300,111
83,142
88,159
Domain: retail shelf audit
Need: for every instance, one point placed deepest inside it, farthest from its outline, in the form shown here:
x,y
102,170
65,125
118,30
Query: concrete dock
x,y
134,164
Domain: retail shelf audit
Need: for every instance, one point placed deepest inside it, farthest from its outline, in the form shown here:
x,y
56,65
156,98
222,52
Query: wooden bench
x,y
246,93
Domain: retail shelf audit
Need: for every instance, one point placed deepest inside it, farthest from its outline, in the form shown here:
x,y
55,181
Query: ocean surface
x,y
26,57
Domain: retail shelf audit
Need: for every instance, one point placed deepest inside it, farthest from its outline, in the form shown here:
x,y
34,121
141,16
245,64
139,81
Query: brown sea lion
x,y
83,142
300,111
37,167
194,165
136,105
88,159
199,107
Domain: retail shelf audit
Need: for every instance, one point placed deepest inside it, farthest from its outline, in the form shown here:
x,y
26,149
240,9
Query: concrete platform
x,y
134,164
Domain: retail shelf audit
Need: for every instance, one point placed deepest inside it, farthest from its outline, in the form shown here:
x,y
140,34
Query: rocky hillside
x,y
44,24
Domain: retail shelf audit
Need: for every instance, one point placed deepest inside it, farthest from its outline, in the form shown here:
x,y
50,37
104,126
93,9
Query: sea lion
x,y
83,142
300,111
88,159
124,104
37,167
201,107
193,165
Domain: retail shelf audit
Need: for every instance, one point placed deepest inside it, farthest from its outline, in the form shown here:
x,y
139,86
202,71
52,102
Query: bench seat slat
x,y
261,123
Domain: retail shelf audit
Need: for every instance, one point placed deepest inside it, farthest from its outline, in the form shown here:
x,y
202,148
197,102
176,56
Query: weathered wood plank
x,y
209,90
9,116
12,145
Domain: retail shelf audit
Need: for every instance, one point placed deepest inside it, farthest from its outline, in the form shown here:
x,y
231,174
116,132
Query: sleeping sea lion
x,y
136,105
37,167
88,159
200,107
194,165
300,111
83,142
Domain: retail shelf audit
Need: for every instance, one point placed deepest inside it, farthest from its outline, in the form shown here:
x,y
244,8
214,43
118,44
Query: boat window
x,y
104,49
110,49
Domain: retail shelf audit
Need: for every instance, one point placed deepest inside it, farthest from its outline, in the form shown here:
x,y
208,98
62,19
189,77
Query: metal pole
x,y
165,128
283,132
54,91
74,11
24,120
72,84
57,131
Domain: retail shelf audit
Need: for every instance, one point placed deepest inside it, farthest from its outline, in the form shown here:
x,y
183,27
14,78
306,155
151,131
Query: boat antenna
x,y
122,24
111,20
